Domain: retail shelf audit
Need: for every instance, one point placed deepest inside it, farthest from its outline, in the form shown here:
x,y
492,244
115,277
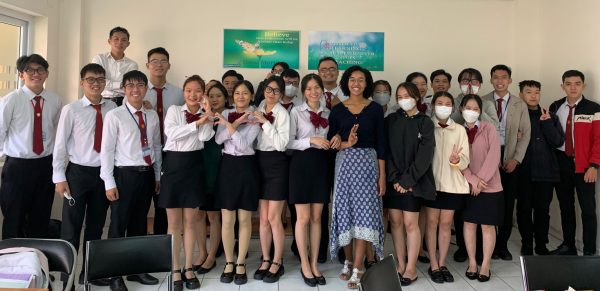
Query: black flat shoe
x,y
471,275
260,273
240,279
321,280
190,283
446,274
407,281
274,277
227,277
201,270
484,278
117,284
312,282
144,279
436,275
177,284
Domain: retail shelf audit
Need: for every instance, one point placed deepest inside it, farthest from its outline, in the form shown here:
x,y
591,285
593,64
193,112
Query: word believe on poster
x,y
244,48
348,48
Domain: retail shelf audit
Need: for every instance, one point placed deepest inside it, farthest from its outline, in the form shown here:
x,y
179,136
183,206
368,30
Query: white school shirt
x,y
75,136
241,142
16,123
115,69
502,127
274,136
301,129
121,142
183,136
335,92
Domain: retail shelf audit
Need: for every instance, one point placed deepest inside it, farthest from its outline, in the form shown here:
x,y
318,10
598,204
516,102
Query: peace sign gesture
x,y
545,115
353,137
455,155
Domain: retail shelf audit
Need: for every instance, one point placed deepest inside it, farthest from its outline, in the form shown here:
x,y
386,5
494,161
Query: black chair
x,y
381,276
60,253
127,256
560,272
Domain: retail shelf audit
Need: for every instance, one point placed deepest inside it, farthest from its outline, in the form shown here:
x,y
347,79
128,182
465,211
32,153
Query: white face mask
x,y
470,116
291,90
442,112
381,98
407,104
465,89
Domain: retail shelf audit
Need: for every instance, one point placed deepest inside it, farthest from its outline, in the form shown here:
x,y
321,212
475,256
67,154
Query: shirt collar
x,y
576,102
505,98
334,91
86,101
151,86
184,107
477,123
30,93
305,107
109,55
133,110
448,123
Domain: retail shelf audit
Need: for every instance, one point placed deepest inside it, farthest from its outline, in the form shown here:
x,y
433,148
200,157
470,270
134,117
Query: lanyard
x,y
505,104
136,122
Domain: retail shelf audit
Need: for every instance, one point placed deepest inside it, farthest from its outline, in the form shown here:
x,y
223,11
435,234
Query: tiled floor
x,y
505,275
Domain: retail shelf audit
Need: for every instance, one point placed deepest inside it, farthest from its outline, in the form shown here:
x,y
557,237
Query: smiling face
x,y
229,82
135,90
357,83
421,85
328,71
501,80
93,90
272,93
242,97
216,99
192,93
440,84
531,96
313,91
158,65
34,77
118,42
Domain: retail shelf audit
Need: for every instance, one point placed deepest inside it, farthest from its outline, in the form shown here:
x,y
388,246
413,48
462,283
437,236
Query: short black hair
x,y
323,59
118,29
501,68
232,73
290,73
92,68
346,79
284,65
411,89
245,83
134,75
24,61
307,78
438,73
442,94
219,86
529,83
415,75
278,80
472,97
573,73
158,50
384,83
472,73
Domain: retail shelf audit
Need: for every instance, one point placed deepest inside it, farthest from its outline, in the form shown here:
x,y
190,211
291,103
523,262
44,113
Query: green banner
x,y
365,49
244,48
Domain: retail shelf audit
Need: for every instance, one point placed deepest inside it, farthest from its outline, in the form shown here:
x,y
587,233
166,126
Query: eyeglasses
x,y
39,71
330,70
159,62
471,81
130,86
272,90
295,83
92,80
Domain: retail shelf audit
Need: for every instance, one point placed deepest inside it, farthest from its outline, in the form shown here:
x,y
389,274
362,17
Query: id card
x,y
146,151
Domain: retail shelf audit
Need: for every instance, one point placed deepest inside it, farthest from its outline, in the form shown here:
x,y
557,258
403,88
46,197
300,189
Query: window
x,y
13,32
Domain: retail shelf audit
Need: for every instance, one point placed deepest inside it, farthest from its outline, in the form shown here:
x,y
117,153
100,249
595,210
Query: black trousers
x,y
533,218
129,214
510,183
160,218
26,197
91,204
565,192
324,243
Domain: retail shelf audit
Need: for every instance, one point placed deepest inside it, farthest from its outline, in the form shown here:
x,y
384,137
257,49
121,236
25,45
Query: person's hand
x,y
353,137
519,135
260,117
381,185
591,175
399,188
335,142
62,187
112,194
510,165
241,120
482,185
147,104
221,120
475,191
157,187
320,142
455,155
545,115
204,119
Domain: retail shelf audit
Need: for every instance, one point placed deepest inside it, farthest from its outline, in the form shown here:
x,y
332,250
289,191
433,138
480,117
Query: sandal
x,y
346,271
354,281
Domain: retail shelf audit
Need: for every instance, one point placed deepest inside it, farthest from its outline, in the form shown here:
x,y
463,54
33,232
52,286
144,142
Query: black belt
x,y
136,168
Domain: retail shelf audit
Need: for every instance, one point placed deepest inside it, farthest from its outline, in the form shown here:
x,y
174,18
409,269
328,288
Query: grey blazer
x,y
488,112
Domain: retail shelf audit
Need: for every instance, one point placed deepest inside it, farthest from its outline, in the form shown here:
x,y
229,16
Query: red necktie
x,y
269,116
233,116
317,120
38,143
191,117
143,137
471,132
328,100
569,150
288,106
499,108
98,130
159,109
442,125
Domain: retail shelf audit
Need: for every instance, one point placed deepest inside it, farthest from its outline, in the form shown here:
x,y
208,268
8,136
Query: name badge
x,y
146,151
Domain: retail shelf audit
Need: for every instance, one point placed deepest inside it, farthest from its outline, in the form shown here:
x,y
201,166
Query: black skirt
x,y
182,180
401,201
237,183
309,177
486,208
274,175
447,201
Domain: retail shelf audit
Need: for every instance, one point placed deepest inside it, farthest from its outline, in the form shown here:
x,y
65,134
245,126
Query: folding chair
x,y
560,272
381,276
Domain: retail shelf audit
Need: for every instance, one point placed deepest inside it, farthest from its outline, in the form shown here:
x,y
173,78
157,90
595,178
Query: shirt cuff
x,y
59,177
110,183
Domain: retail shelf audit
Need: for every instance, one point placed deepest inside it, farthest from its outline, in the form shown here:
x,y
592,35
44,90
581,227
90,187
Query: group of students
x,y
221,150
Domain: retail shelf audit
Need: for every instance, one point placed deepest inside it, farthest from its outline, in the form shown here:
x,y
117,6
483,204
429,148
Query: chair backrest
x,y
560,272
130,255
60,253
381,276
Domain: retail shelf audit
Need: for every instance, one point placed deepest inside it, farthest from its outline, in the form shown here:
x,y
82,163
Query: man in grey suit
x,y
470,81
514,131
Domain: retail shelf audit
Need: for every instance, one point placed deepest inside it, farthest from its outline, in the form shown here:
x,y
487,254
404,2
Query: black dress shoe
x,y
312,282
144,279
274,277
260,273
505,255
227,277
460,255
564,250
240,279
542,251
471,275
526,251
495,255
201,270
407,281
484,278
321,280
436,275
585,253
190,283
423,259
117,284
99,282
177,284
446,274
